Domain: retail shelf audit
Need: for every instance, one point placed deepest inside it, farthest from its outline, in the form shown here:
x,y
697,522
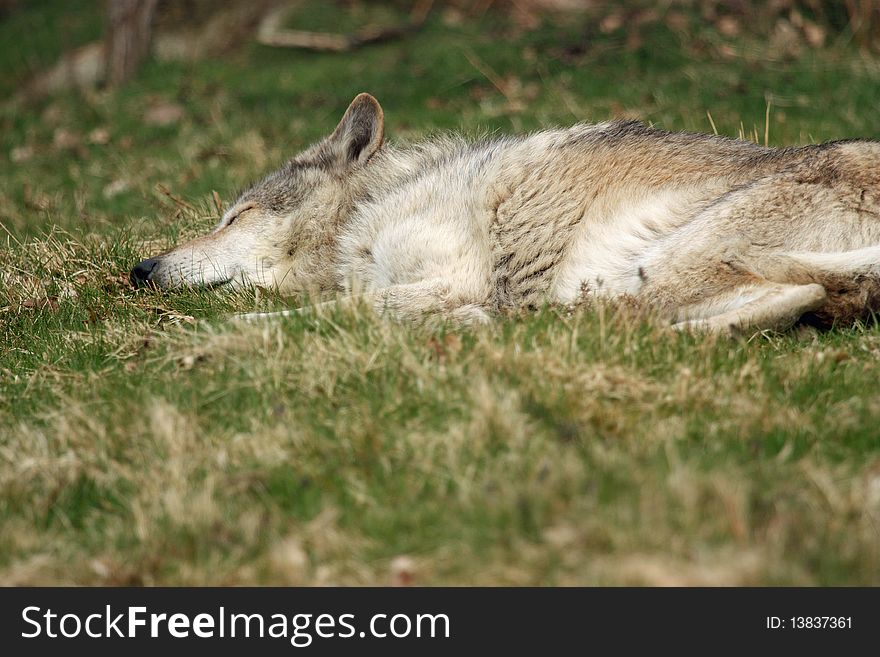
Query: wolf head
x,y
280,232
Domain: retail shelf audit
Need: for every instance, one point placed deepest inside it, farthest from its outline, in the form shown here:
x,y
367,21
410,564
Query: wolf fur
x,y
711,233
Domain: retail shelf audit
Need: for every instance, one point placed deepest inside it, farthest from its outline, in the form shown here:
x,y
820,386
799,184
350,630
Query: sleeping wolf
x,y
712,233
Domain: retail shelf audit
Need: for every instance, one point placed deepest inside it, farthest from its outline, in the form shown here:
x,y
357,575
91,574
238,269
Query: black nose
x,y
140,275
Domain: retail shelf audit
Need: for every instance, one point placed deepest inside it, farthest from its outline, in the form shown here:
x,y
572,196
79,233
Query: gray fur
x,y
712,233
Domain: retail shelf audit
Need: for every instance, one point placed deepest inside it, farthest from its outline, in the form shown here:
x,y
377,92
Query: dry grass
x,y
570,447
144,439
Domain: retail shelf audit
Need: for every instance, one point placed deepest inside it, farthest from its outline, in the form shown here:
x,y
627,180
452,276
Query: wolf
x,y
710,233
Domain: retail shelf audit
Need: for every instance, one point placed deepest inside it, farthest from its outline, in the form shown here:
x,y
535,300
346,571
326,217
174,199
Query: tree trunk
x,y
129,27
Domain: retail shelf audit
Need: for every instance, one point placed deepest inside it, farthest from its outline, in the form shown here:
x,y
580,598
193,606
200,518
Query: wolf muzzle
x,y
140,275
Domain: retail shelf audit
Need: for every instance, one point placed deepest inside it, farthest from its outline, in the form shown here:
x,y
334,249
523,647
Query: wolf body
x,y
711,233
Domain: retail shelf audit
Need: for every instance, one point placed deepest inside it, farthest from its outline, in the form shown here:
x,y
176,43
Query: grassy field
x,y
146,440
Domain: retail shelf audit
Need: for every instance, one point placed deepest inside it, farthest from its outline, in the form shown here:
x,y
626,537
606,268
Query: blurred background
x,y
120,113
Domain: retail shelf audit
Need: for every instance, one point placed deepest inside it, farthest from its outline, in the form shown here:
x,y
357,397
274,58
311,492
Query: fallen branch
x,y
271,32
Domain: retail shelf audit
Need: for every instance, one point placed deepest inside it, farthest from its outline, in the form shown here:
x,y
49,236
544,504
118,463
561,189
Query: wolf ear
x,y
359,134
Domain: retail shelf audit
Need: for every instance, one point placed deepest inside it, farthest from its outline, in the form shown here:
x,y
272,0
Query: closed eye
x,y
231,219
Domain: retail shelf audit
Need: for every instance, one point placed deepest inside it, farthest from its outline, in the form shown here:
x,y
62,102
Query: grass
x,y
146,440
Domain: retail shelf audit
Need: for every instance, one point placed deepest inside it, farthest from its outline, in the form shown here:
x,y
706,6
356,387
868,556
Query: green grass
x,y
144,439
37,32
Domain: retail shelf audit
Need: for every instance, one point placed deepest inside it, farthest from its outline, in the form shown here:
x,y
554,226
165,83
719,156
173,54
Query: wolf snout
x,y
140,275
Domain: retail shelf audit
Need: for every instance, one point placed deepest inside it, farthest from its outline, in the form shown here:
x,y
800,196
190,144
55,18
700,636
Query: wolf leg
x,y
768,290
768,306
858,262
408,301
776,241
851,279
323,306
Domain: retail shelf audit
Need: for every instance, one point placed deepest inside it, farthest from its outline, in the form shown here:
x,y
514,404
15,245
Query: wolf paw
x,y
470,315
